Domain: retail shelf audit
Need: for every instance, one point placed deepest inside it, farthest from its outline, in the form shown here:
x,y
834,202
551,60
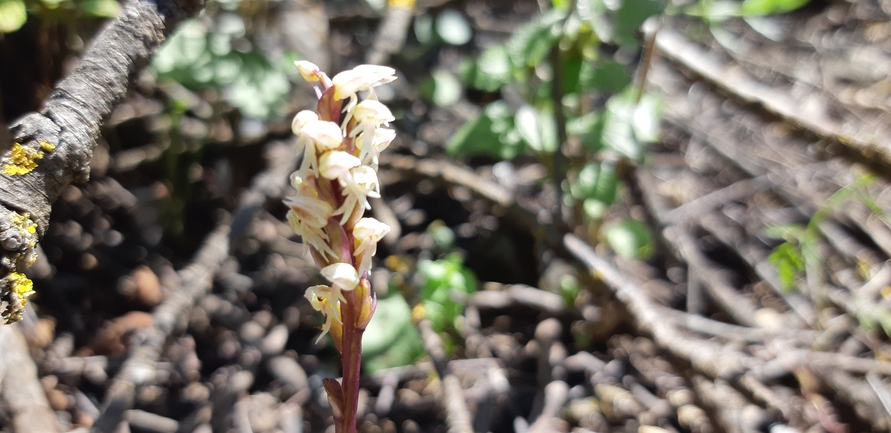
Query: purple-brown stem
x,y
352,356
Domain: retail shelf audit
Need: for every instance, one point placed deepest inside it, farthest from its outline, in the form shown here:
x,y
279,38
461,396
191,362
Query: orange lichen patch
x,y
26,225
23,160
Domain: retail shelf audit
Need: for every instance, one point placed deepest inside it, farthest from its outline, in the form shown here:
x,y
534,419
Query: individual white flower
x,y
359,185
327,135
342,275
366,234
312,235
368,116
316,136
337,164
359,79
383,137
324,299
307,205
301,119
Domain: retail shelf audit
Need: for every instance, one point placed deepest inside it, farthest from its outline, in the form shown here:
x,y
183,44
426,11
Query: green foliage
x,y
597,186
538,128
446,283
569,288
492,133
201,58
716,11
789,261
628,126
800,252
13,15
442,88
618,21
630,239
391,340
453,28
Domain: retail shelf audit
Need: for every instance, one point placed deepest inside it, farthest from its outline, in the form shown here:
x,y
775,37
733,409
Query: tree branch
x,y
54,147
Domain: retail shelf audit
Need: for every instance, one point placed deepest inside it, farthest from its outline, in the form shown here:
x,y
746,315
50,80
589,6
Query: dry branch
x,y
21,389
55,146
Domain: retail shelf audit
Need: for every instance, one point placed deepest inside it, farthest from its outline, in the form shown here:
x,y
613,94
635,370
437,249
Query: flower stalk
x,y
340,143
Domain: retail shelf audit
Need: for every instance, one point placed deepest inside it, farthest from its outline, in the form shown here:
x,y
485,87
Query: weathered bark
x,y
53,148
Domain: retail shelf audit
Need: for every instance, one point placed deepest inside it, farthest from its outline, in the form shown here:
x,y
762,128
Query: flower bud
x,y
308,70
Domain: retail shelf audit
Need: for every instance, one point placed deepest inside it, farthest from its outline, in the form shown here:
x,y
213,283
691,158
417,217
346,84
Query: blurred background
x,y
608,216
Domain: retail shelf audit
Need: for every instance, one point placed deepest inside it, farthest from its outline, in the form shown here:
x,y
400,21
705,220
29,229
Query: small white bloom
x,y
358,186
307,205
312,235
327,135
316,136
366,234
337,164
342,275
361,78
371,112
324,299
301,119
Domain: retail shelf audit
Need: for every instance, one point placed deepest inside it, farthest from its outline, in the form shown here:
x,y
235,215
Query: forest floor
x,y
160,310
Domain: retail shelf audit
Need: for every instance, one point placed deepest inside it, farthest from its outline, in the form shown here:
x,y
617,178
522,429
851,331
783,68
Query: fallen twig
x,y
20,388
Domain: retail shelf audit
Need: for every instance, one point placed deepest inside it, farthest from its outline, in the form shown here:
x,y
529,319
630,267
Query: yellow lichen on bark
x,y
23,160
23,221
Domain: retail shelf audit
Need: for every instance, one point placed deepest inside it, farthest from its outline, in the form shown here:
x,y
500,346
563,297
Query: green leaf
x,y
789,263
604,76
52,4
101,8
769,7
491,133
628,127
597,180
630,16
532,41
441,280
618,133
537,128
442,235
594,209
647,118
715,11
423,28
588,128
390,339
490,72
594,12
442,88
571,68
13,15
787,232
453,28
631,239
